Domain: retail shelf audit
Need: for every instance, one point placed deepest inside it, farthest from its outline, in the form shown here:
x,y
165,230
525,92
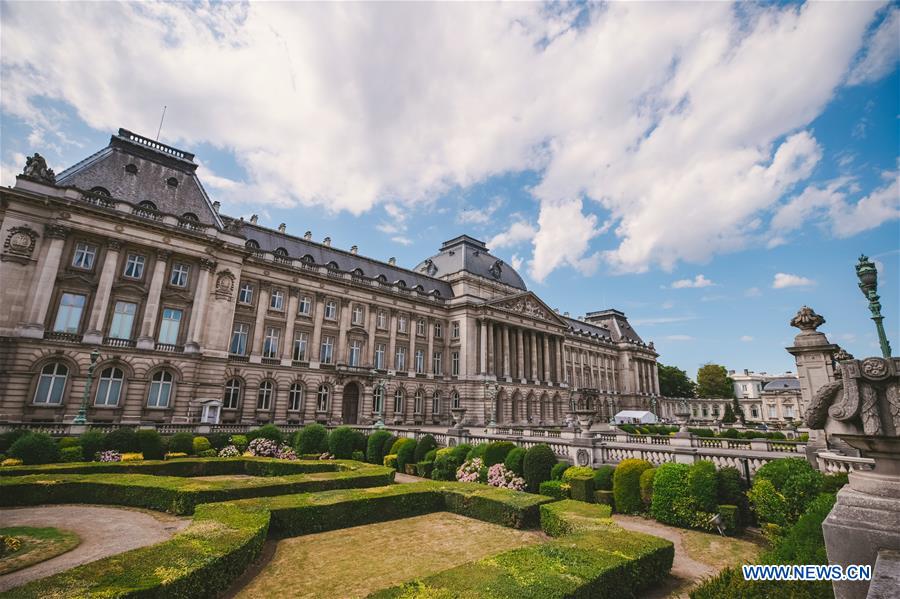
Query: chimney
x,y
216,206
746,372
354,250
254,219
282,228
327,242
307,235
566,314
392,261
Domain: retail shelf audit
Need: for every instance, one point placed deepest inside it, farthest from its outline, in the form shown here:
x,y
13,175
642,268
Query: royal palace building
x,y
121,282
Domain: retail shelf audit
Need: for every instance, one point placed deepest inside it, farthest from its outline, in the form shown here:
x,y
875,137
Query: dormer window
x,y
333,266
190,216
308,259
100,191
131,169
172,182
281,253
252,244
148,205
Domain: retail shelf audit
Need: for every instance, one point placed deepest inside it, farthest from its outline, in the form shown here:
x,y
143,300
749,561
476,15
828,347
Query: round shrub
x,y
151,444
779,471
445,466
268,431
729,486
8,438
68,442
312,438
406,453
358,456
123,440
783,489
669,490
703,486
603,478
557,471
426,444
181,443
429,457
375,450
241,442
514,460
477,452
341,442
71,454
91,444
460,452
554,488
538,462
35,448
573,472
217,440
627,485
200,445
497,451
731,433
360,441
646,482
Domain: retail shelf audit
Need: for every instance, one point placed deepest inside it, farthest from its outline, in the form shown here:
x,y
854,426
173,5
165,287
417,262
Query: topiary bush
x,y
71,454
312,438
605,498
444,465
91,444
217,440
267,431
35,448
497,451
554,488
424,469
200,445
239,441
425,444
405,449
375,451
358,456
341,442
627,485
123,440
646,484
538,462
150,444
68,442
8,438
581,483
476,452
460,452
703,486
783,489
556,473
669,491
515,460
181,443
731,490
603,478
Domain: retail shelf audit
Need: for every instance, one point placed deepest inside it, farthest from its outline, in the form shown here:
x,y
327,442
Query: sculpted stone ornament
x,y
496,269
429,268
19,244
526,306
36,168
807,319
224,284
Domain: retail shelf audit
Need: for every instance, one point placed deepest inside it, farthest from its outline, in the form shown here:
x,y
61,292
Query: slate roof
x,y
616,323
579,326
782,384
468,254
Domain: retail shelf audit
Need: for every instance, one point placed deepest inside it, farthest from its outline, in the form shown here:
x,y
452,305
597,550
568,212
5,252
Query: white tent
x,y
634,417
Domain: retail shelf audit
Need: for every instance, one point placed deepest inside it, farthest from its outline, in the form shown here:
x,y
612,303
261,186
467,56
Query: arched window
x,y
281,252
358,272
160,390
100,191
382,279
147,205
232,398
419,288
264,395
400,283
51,384
419,401
436,403
110,387
190,216
378,400
454,400
333,266
131,169
308,259
398,401
323,398
172,182
252,244
295,398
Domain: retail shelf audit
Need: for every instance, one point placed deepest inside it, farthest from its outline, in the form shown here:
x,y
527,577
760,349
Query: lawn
x,y
353,562
38,545
719,551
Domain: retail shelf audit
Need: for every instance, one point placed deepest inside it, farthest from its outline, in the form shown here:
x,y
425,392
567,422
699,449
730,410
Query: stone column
x,y
446,362
94,333
343,342
490,348
559,360
262,307
483,347
198,309
411,358
505,330
391,360
151,310
533,346
42,289
547,375
317,331
287,353
520,356
429,356
370,342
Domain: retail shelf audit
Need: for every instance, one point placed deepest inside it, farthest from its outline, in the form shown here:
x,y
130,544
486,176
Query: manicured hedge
x,y
581,482
267,431
150,444
669,489
646,482
496,452
405,449
71,454
627,485
605,498
571,516
341,442
538,462
425,444
35,448
555,488
376,450
558,469
703,486
783,489
603,478
181,443
123,440
312,438
515,460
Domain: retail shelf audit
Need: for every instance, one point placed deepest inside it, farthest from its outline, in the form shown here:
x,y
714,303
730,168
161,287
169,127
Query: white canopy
x,y
635,417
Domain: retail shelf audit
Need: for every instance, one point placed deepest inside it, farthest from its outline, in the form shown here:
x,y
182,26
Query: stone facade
x,y
126,253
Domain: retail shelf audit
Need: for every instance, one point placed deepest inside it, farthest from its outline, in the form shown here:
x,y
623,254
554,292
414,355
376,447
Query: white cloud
x,y
746,338
697,282
784,280
678,338
753,292
480,215
516,261
642,116
881,53
401,240
517,233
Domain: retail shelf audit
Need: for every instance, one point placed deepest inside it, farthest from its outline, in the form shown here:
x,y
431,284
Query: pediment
x,y
129,288
71,278
529,305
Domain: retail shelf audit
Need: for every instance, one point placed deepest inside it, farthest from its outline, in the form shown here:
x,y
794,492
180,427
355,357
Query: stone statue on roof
x,y
36,168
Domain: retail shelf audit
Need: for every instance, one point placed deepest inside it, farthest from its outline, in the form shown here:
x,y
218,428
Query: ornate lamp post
x,y
490,394
380,385
868,284
81,418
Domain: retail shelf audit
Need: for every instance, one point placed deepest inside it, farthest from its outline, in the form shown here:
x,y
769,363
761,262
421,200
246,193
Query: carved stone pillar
x,y
547,376
558,342
370,342
505,338
316,342
94,333
198,310
343,342
533,343
392,342
262,307
411,358
483,348
287,353
520,356
151,310
42,289
490,348
429,356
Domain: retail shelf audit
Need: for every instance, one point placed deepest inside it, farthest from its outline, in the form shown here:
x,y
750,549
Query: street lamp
x,y
490,393
81,418
380,386
868,284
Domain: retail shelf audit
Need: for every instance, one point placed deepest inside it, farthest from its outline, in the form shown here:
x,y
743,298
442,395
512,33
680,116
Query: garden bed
x,y
37,545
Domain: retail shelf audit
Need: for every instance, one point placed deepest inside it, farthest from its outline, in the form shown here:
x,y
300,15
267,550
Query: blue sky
x,y
674,161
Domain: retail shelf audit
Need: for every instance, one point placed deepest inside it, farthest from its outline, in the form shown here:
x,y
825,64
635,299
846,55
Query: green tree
x,y
713,381
674,382
729,417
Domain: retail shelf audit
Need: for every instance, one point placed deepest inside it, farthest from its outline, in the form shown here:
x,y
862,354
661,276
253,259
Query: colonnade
x,y
517,354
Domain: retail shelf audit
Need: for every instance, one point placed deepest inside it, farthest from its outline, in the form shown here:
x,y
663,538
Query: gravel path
x,y
104,531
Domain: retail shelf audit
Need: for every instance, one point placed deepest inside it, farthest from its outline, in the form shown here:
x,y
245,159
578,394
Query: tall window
x,y
420,327
122,320
754,412
400,359
239,336
378,400
160,390
295,398
379,356
232,398
305,305
68,317
773,412
51,384
168,327
788,411
300,342
355,352
264,395
436,363
179,277
438,330
454,363
245,295
454,400
327,350
323,396
356,316
398,401
331,310
381,320
419,401
84,256
436,403
270,342
134,266
401,324
276,300
454,329
109,388
420,361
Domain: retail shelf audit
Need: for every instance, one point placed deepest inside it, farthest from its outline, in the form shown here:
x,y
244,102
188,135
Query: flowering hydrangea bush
x,y
470,471
110,456
326,456
500,476
263,448
229,451
286,453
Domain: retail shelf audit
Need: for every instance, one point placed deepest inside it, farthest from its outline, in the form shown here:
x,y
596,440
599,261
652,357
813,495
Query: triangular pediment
x,y
529,305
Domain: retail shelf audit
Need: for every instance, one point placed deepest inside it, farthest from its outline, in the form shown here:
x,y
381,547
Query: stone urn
x,y
459,415
584,421
683,414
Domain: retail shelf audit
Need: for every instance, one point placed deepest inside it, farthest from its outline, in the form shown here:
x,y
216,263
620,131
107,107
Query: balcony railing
x,y
187,223
169,347
238,358
147,213
64,337
271,361
116,342
98,199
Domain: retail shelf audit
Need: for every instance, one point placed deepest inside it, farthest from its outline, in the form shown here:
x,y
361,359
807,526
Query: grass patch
x,y
306,566
38,545
718,551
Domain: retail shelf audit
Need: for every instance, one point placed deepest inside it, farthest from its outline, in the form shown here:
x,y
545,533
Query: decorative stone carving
x,y
583,457
526,306
224,285
429,268
207,265
807,319
235,226
56,231
866,397
20,242
496,269
36,168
